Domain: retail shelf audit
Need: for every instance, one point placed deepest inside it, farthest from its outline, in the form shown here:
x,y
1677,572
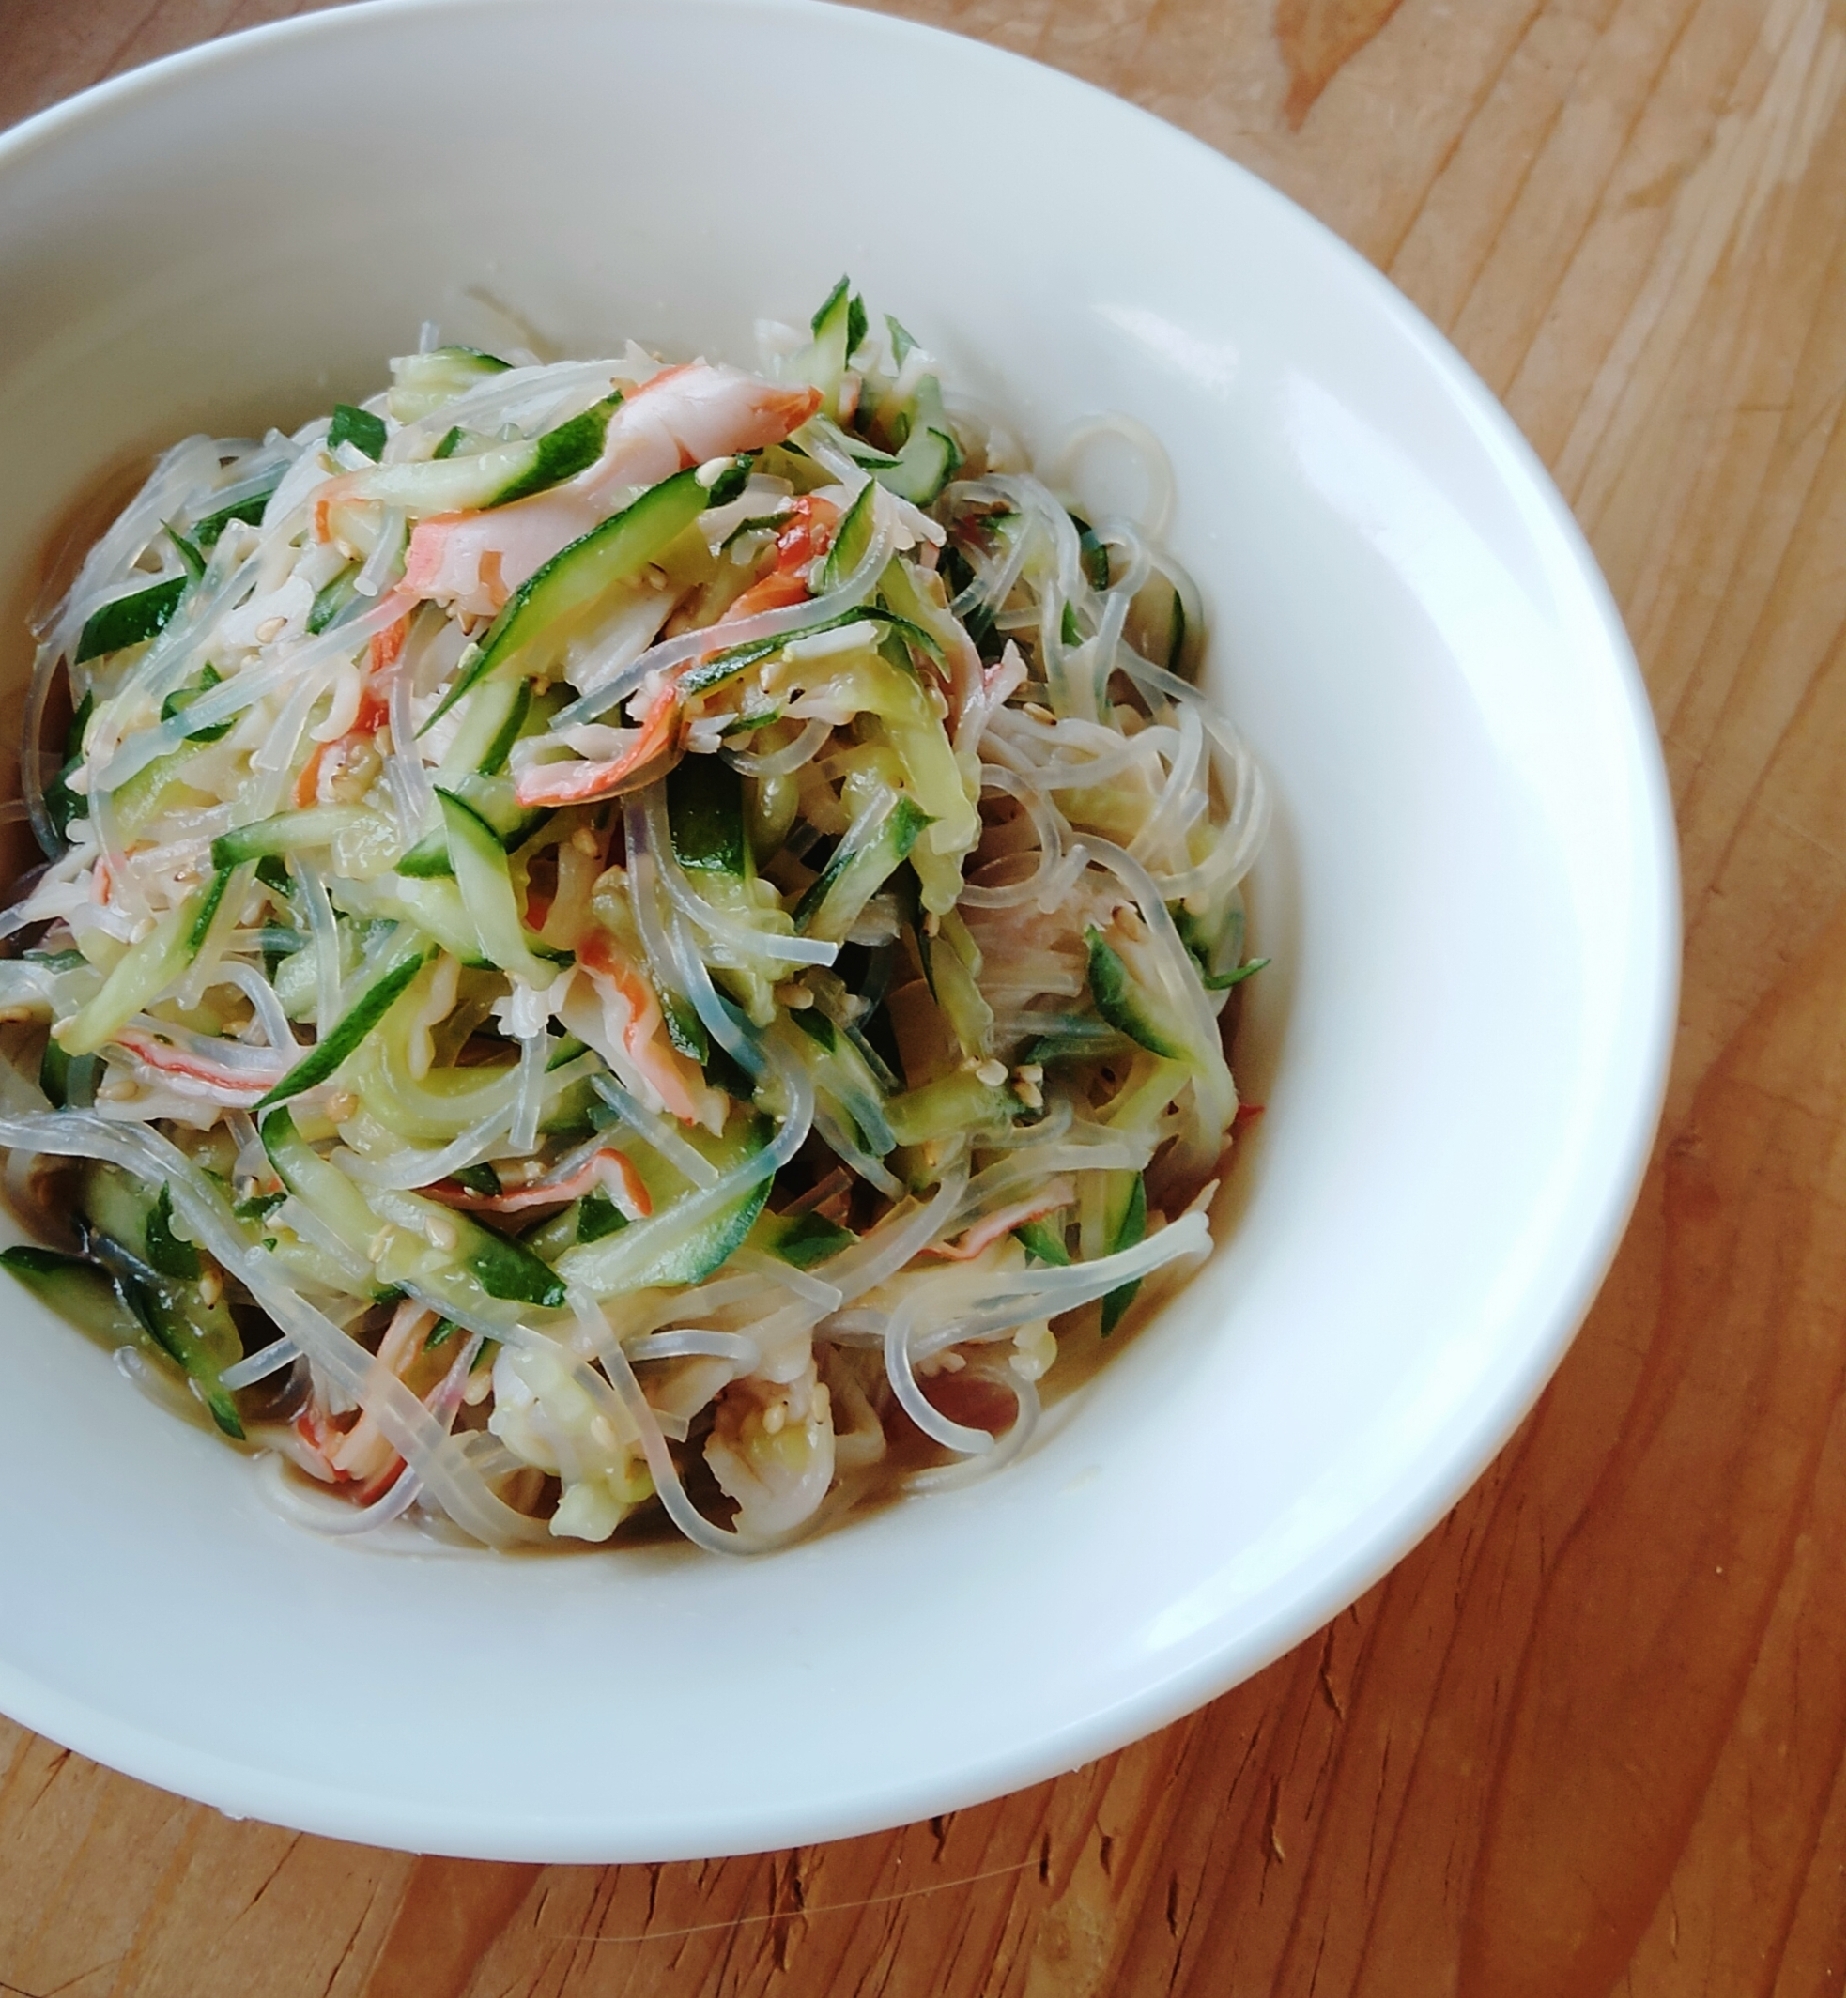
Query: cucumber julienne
x,y
605,915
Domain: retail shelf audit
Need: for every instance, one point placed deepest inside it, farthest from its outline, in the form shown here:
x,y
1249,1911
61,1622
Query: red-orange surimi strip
x,y
595,1171
584,783
388,644
307,784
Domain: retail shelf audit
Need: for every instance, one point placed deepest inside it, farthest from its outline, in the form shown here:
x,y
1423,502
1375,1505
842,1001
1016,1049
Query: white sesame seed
x,y
341,1105
271,628
774,1417
439,1232
118,1088
211,1288
993,1073
585,841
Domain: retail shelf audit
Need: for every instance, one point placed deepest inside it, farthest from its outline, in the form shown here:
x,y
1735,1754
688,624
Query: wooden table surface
x,y
1588,1738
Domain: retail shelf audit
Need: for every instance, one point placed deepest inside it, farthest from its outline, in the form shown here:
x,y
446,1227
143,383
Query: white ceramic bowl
x,y
1469,897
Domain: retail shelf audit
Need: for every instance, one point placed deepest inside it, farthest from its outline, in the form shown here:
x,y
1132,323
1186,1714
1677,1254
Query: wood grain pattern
x,y
1588,1738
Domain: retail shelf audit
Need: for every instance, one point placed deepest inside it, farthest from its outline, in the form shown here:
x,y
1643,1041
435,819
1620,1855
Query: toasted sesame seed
x,y
342,1104
211,1288
440,1233
585,841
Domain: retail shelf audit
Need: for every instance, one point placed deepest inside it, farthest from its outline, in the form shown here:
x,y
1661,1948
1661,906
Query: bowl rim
x,y
245,1789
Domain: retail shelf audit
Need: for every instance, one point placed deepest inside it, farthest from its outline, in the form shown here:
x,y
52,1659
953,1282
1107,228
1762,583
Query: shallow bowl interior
x,y
1468,897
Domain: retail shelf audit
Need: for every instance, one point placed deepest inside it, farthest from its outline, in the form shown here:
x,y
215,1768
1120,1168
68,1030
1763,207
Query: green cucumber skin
x,y
287,832
512,825
695,1256
188,552
69,1081
562,453
248,513
809,1239
596,1216
506,1270
1119,1003
322,1059
1082,1040
359,428
167,1312
162,956
77,1290
709,1248
60,800
206,912
1129,1230
428,858
331,599
1095,555
158,1284
130,620
494,758
1040,1242
849,543
485,885
705,815
182,698
838,328
718,667
575,577
896,834
930,458
172,1255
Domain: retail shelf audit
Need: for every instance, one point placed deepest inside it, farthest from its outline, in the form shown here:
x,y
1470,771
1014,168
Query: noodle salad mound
x,y
618,935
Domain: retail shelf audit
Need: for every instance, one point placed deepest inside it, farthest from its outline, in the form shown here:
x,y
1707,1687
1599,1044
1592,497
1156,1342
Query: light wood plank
x,y
1557,1751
